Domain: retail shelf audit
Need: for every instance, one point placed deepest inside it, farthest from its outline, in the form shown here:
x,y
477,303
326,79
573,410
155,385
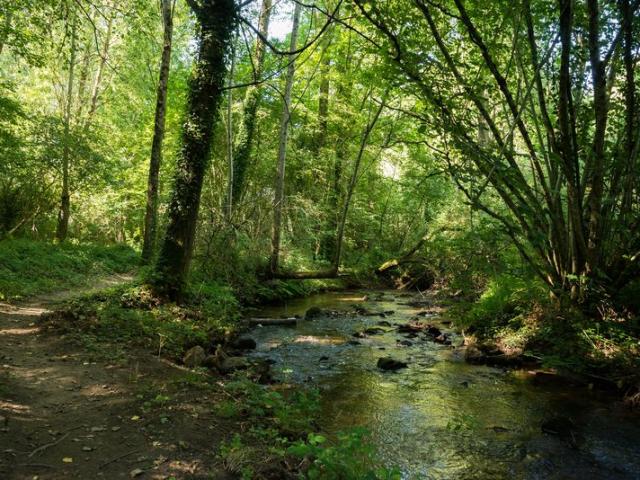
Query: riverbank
x,y
394,365
268,394
514,323
128,401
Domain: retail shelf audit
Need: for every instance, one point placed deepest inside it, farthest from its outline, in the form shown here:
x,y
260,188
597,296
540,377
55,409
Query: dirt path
x,y
65,416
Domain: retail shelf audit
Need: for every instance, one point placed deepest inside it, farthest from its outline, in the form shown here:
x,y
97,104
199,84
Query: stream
x,y
442,418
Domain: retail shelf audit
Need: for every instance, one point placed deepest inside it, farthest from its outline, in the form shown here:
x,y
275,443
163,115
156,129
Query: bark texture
x,y
216,21
278,201
244,146
65,197
151,213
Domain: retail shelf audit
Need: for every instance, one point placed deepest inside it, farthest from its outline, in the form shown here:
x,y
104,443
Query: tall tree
x,y
559,177
343,96
253,95
104,55
215,23
65,200
278,200
151,213
374,116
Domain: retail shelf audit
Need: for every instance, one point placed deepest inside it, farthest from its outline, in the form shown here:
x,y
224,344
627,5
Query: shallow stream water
x,y
441,418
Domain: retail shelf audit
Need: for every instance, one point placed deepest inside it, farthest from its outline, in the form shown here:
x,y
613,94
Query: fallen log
x,y
265,322
331,273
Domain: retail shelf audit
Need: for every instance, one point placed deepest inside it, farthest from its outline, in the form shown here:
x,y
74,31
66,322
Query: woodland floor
x,y
67,415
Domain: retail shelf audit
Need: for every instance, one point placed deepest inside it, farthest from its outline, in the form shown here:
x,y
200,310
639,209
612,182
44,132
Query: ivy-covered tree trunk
x,y
216,20
65,196
242,151
151,214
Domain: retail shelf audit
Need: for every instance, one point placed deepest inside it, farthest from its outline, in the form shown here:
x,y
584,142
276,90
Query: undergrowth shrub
x,y
131,315
348,457
283,435
505,298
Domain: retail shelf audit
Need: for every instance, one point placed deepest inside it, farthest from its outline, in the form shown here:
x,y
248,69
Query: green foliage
x,y
290,413
283,423
280,290
504,298
31,267
131,315
350,457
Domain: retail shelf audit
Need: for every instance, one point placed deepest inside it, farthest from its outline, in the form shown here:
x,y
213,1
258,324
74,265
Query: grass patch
x,y
130,315
28,267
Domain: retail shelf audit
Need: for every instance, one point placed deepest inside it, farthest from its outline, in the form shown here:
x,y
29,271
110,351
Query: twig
x,y
35,465
47,445
117,458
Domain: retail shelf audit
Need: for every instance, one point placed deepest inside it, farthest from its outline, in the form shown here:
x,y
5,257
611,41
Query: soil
x,y
66,415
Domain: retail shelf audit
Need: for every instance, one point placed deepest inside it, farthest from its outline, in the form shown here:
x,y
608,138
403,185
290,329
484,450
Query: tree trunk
x,y
630,108
216,21
5,34
65,204
323,102
244,145
282,148
84,67
151,214
595,183
95,90
352,184
229,132
343,94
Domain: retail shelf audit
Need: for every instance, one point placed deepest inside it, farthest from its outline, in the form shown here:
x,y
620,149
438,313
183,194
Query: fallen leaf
x,y
136,472
135,418
67,460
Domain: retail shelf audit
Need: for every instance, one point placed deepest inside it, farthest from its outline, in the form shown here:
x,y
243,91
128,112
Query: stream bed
x,y
441,418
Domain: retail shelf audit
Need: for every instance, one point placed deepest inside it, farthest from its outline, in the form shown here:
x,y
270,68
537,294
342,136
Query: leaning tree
x,y
532,105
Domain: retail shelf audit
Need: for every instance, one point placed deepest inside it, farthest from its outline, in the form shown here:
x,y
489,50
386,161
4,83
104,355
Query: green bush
x,y
282,425
130,314
504,298
349,458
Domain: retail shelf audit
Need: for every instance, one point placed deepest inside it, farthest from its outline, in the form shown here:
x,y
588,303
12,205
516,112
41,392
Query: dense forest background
x,y
196,160
485,148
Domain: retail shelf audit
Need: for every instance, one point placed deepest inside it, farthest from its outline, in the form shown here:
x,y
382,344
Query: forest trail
x,y
66,415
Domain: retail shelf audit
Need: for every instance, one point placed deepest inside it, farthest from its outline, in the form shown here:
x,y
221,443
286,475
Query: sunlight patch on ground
x,y
352,299
26,311
14,407
98,390
19,331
